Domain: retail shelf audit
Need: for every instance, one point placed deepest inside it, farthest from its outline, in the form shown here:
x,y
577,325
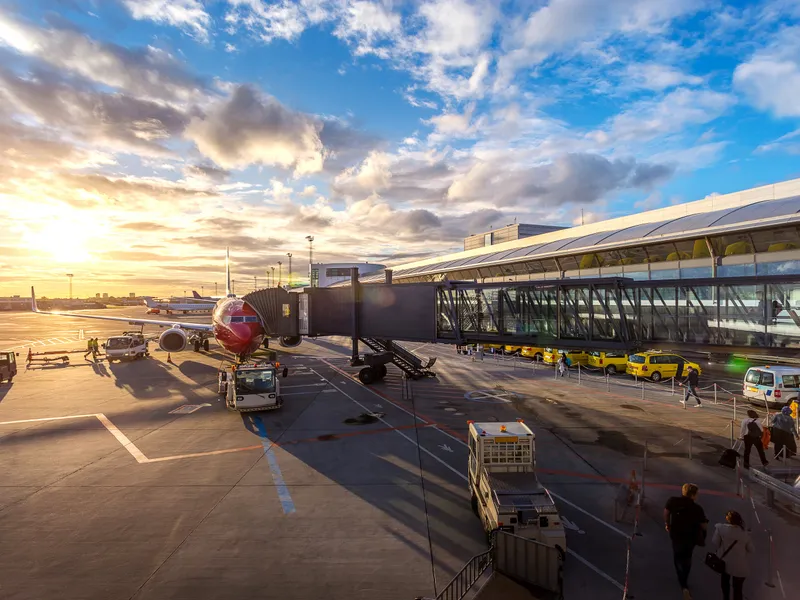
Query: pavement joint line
x,y
590,515
418,416
602,574
422,448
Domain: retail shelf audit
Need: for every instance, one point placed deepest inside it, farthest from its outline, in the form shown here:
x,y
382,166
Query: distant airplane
x,y
196,296
234,324
156,307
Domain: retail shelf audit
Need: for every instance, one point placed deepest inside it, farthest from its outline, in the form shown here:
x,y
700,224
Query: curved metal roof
x,y
683,226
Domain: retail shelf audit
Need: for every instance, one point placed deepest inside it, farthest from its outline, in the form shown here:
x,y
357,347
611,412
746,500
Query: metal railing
x,y
465,578
773,485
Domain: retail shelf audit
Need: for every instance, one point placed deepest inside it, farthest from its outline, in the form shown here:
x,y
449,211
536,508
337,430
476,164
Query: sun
x,y
65,238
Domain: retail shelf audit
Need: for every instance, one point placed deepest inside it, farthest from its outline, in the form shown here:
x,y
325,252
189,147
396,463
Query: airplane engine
x,y
290,341
172,340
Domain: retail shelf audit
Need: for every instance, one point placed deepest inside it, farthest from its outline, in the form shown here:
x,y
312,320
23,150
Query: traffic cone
x,y
30,355
169,359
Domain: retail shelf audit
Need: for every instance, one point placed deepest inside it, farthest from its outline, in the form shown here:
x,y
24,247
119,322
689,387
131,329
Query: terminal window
x,y
337,272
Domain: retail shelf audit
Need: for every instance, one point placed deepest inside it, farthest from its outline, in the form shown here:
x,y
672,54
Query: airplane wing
x,y
128,320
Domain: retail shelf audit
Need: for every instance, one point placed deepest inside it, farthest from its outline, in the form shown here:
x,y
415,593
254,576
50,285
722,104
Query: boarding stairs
x,y
408,362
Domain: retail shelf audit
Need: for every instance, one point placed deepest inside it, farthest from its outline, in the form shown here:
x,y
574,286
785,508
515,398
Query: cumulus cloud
x,y
770,79
188,15
253,128
113,120
144,71
571,178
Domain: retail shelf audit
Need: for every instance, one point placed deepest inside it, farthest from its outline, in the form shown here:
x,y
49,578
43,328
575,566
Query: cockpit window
x,y
251,319
237,319
255,382
118,343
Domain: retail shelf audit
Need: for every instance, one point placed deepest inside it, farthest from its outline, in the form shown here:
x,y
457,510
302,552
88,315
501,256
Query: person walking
x,y
89,347
691,381
784,433
562,365
685,521
751,433
732,540
95,348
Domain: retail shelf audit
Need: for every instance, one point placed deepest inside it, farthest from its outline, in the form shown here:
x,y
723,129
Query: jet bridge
x,y
748,315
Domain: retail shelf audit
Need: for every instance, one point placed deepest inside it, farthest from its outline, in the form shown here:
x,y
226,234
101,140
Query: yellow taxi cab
x,y
659,365
512,349
610,362
576,357
536,354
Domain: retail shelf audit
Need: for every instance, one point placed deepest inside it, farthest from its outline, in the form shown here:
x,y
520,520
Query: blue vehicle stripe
x,y
277,477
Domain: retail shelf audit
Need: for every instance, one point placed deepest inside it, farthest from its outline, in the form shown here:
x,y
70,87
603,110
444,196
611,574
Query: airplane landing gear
x,y
205,344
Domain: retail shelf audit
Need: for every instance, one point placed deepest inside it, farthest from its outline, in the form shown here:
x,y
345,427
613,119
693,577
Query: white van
x,y
773,385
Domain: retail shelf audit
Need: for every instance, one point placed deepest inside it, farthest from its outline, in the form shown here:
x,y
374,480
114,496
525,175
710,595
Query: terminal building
x,y
328,274
747,233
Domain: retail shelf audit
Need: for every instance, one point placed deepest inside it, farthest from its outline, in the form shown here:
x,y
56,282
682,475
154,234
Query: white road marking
x,y
570,525
588,514
445,447
286,387
602,574
122,439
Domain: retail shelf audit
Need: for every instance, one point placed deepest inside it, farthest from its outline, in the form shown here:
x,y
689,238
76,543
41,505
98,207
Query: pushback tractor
x,y
251,386
506,494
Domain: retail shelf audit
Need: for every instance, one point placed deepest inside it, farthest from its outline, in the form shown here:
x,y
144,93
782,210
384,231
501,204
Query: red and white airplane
x,y
234,324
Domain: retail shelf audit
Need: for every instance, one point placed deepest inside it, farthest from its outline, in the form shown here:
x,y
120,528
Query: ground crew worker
x,y
95,348
89,347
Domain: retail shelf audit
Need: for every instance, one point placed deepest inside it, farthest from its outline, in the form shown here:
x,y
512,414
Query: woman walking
x,y
731,539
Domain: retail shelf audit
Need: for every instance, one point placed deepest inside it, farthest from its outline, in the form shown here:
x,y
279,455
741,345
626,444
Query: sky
x,y
139,138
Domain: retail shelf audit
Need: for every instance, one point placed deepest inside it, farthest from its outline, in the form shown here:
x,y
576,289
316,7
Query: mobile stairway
x,y
387,351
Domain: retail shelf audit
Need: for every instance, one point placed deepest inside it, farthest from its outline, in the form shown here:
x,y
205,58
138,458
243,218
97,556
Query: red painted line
x,y
666,486
330,437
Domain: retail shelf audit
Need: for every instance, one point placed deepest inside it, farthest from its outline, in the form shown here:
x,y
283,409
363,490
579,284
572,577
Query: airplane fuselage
x,y
237,326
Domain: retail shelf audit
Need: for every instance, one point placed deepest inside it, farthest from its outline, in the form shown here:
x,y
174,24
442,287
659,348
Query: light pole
x,y
255,282
280,273
310,239
215,288
289,254
202,290
272,283
184,295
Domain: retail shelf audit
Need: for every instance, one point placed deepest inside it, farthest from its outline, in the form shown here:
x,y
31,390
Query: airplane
x,y
196,296
170,307
234,324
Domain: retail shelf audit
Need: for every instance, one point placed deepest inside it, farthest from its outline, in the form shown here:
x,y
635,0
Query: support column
x,y
355,286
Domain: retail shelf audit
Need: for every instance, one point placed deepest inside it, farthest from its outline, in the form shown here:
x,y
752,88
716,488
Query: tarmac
x,y
132,480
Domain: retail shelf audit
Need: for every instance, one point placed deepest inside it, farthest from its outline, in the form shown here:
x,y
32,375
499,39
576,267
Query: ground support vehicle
x,y
8,366
130,345
506,493
251,386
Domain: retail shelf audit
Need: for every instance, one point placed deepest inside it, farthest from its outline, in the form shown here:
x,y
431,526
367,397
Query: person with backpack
x,y
751,434
563,364
784,433
733,545
685,521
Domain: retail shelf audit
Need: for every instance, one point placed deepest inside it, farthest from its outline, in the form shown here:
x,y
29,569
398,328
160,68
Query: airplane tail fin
x,y
148,300
196,295
227,271
34,308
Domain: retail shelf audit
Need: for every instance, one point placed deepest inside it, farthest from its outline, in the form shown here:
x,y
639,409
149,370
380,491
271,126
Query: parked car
x,y
610,362
773,385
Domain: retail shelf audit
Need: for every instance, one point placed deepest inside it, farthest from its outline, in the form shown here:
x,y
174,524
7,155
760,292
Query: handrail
x,y
465,578
773,485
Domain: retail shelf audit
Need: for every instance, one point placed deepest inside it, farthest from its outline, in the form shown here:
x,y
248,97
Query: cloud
x,y
770,79
674,112
188,15
115,120
366,24
656,77
252,128
571,178
284,19
786,143
224,224
144,71
569,26
145,226
125,255
208,172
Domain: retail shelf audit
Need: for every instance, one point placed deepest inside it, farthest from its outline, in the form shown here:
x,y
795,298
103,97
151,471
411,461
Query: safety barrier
x,y
521,559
